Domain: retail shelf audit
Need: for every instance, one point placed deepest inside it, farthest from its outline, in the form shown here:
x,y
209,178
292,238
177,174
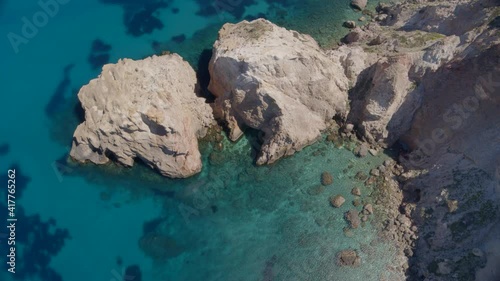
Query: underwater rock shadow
x,y
58,98
64,110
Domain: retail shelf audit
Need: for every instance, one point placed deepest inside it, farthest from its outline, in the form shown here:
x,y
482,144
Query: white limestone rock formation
x,y
146,109
277,81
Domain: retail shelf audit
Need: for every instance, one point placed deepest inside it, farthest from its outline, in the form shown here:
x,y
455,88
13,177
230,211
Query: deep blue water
x,y
234,221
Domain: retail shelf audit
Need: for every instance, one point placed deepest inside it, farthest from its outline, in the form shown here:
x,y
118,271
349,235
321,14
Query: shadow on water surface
x,y
40,240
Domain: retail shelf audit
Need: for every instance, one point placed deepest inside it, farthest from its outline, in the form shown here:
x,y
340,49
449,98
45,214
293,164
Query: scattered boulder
x,y
337,201
477,252
361,150
356,191
375,172
350,24
349,128
359,4
348,258
368,208
382,8
326,179
452,205
356,202
360,176
381,17
352,216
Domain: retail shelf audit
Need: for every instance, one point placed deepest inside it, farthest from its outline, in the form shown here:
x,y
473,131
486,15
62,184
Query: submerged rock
x,y
159,246
350,24
368,209
360,4
326,179
353,218
337,201
147,110
356,191
277,81
348,258
315,190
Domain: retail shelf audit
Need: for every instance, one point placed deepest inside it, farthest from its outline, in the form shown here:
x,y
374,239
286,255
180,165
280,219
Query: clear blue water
x,y
234,221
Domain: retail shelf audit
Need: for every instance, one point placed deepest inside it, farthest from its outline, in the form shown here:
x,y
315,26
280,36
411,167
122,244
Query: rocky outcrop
x,y
359,4
276,81
377,99
147,110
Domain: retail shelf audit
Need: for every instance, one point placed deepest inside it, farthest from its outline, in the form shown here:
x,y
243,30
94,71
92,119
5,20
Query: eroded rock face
x,y
380,97
277,81
147,110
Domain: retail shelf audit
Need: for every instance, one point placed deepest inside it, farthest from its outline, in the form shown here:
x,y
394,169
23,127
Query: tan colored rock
x,y
376,107
368,208
277,81
337,201
356,191
352,216
348,258
352,58
146,109
360,4
326,178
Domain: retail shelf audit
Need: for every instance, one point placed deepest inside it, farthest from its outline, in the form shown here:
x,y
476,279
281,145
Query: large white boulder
x,y
277,81
146,109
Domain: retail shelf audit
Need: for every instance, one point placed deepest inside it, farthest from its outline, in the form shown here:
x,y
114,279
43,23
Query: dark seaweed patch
x,y
140,17
99,54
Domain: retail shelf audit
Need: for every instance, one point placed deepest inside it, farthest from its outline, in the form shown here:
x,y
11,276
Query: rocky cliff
x,y
147,110
276,81
428,77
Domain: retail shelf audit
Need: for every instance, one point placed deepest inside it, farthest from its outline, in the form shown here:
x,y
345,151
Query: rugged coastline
x,y
396,73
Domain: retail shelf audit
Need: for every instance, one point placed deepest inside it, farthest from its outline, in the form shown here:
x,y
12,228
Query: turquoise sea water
x,y
234,221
